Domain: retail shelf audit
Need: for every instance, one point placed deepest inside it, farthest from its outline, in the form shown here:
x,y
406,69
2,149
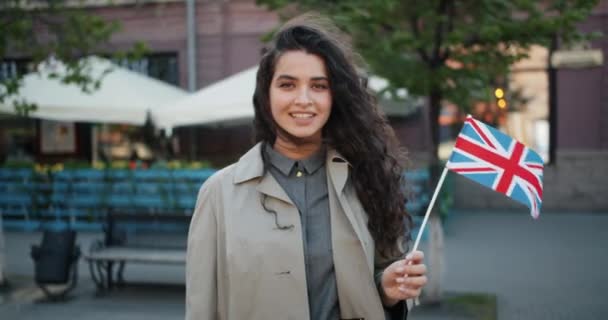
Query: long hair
x,y
355,128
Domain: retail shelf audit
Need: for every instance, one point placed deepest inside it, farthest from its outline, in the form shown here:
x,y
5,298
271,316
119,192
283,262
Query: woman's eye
x,y
320,86
286,85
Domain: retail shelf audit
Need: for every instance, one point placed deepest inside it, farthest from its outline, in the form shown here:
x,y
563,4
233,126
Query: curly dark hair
x,y
356,128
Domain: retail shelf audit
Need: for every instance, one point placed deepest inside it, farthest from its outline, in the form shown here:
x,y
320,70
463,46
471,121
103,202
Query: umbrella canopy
x,y
231,100
123,97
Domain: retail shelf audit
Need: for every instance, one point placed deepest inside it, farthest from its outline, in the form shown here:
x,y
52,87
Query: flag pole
x,y
428,210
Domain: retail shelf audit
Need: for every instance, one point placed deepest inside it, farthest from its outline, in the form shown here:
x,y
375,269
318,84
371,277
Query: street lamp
x,y
499,93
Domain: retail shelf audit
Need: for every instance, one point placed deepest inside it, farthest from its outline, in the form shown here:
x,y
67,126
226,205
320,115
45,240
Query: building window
x,y
10,68
161,66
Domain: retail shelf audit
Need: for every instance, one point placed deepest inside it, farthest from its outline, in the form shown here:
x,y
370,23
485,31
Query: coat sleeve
x,y
400,310
201,260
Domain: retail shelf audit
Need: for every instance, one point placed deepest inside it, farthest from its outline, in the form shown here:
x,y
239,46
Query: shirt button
x,y
299,174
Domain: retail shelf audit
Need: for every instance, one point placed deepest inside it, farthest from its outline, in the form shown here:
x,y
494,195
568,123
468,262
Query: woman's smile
x,y
303,118
300,115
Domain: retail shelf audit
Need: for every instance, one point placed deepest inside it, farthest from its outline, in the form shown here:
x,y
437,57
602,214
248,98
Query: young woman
x,y
310,223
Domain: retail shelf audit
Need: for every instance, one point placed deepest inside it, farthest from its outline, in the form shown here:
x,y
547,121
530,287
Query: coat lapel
x,y
250,166
353,263
250,169
270,187
338,173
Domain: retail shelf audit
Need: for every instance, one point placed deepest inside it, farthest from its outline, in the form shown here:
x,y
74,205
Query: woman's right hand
x,y
404,279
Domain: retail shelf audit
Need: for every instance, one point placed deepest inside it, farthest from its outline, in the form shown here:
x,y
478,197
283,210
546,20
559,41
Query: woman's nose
x,y
303,97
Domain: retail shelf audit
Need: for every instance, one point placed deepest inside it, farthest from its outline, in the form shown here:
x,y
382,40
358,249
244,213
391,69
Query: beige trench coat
x,y
241,266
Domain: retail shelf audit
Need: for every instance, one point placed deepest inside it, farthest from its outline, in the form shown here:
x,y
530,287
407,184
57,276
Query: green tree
x,y
62,29
446,50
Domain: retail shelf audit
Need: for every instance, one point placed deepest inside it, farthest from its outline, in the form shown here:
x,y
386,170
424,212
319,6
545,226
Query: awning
x,y
123,97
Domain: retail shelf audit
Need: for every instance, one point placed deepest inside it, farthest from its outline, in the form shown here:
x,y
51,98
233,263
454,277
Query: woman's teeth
x,y
302,115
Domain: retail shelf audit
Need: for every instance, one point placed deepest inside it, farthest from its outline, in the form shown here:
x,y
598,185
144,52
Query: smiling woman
x,y
300,102
311,222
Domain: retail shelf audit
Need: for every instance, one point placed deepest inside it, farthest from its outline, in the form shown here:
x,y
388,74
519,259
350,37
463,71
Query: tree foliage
x,y
61,29
446,49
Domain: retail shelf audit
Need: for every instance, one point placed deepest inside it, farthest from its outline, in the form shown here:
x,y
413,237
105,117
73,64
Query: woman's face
x,y
300,96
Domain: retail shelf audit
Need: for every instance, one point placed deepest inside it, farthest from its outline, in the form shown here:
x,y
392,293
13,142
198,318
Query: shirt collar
x,y
286,165
250,166
315,161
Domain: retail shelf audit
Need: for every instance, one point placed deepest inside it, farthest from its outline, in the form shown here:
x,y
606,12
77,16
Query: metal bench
x,y
133,238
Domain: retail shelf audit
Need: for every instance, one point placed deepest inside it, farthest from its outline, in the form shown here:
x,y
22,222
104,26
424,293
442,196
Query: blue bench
x,y
88,195
82,198
77,200
19,198
186,186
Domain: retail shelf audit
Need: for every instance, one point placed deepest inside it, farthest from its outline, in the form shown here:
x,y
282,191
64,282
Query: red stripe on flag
x,y
535,166
510,165
481,134
510,168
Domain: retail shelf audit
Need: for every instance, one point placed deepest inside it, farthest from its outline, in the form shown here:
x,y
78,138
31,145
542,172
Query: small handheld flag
x,y
497,161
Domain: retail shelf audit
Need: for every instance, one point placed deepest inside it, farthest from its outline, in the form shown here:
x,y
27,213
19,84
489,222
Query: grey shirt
x,y
305,182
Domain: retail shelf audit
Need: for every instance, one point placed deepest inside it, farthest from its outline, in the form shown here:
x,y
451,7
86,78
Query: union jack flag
x,y
495,160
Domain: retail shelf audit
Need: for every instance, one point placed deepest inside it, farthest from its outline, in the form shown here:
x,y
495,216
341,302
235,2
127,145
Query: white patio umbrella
x,y
123,97
230,100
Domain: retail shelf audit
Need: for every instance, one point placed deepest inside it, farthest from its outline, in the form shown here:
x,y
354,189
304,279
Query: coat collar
x,y
250,166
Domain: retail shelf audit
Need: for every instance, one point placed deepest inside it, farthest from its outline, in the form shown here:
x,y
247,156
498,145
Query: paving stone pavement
x,y
551,268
